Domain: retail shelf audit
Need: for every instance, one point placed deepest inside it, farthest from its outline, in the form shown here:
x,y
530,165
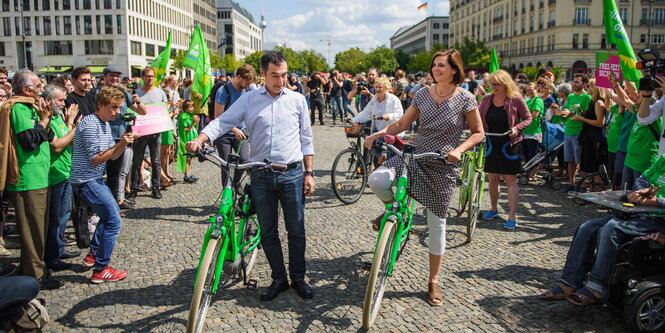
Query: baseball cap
x,y
549,74
111,69
294,74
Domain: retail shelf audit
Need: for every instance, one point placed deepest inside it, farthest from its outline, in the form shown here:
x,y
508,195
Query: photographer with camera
x,y
336,95
365,89
315,88
652,106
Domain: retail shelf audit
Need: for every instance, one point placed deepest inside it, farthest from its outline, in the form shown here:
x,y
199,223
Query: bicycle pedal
x,y
251,284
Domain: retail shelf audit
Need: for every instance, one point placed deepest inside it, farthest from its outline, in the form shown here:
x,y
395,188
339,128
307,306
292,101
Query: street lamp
x,y
25,48
650,18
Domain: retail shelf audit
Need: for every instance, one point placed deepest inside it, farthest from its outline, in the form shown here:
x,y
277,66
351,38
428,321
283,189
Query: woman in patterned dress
x,y
443,109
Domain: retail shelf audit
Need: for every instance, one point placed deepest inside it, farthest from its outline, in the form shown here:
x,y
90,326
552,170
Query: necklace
x,y
436,91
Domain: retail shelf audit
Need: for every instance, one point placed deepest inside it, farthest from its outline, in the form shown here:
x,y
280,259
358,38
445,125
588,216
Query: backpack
x,y
32,317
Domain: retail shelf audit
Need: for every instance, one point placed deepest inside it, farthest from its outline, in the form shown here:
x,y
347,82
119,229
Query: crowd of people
x,y
69,139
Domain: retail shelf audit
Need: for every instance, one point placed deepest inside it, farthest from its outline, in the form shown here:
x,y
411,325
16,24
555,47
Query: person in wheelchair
x,y
604,236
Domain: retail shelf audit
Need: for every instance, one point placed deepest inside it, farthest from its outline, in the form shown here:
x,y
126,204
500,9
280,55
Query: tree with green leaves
x,y
216,61
403,59
531,72
474,53
178,58
423,59
230,63
293,59
381,58
350,61
314,61
254,59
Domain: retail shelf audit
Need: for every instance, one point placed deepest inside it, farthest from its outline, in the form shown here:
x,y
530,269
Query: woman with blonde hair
x,y
502,110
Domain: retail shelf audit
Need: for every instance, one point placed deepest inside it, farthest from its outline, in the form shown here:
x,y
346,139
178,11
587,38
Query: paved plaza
x,y
489,285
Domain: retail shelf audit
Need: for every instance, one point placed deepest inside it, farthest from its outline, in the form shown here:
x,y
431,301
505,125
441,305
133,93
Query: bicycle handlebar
x,y
440,155
499,134
203,154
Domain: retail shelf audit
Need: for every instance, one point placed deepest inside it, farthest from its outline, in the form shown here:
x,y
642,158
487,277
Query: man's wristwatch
x,y
309,173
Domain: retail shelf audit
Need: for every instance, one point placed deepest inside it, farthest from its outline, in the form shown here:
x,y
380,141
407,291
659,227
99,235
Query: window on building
x,y
27,27
87,25
5,5
26,5
643,39
576,39
118,4
58,47
47,25
56,5
98,47
97,6
57,25
581,16
436,26
541,20
46,4
623,13
657,38
435,37
66,5
67,25
7,26
108,4
2,49
645,16
585,41
531,23
76,4
37,32
552,18
658,16
98,21
108,24
603,41
87,4
135,48
149,50
77,24
119,24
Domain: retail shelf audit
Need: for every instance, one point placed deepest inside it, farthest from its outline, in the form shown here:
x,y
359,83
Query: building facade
x,y
62,34
565,33
237,32
421,36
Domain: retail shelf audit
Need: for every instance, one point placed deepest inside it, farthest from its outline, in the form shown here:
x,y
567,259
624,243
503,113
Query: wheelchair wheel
x,y
555,184
647,312
523,180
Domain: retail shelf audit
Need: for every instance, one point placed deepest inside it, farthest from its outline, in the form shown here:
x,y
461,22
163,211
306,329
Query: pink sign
x,y
606,65
156,120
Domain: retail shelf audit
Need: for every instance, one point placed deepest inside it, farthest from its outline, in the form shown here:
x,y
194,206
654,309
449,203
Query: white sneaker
x,y
4,252
92,223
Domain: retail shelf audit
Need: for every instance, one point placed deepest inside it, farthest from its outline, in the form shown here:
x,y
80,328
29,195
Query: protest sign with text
x,y
605,63
156,120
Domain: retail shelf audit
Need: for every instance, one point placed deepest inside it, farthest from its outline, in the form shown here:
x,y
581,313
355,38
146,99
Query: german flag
x,y
423,6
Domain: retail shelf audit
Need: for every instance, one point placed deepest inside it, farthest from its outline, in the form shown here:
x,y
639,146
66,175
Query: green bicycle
x,y
472,183
230,245
393,234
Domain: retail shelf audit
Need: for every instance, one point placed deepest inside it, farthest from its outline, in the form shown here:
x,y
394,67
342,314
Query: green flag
x,y
161,62
198,59
494,62
615,34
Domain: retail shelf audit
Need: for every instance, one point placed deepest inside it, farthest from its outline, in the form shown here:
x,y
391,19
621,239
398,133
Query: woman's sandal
x,y
584,297
434,294
559,292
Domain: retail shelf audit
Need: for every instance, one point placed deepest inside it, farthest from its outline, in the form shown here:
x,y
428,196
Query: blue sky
x,y
363,23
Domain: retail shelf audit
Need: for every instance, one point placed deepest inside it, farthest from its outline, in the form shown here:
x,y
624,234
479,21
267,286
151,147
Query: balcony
x,y
582,22
551,2
498,19
551,24
497,37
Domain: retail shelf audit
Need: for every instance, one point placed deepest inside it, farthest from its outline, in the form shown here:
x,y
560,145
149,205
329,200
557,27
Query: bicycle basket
x,y
353,131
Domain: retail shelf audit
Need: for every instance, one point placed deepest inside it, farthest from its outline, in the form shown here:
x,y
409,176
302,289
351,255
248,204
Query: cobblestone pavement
x,y
489,285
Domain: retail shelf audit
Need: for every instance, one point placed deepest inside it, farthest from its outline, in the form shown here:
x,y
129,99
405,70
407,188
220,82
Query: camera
x,y
128,118
361,85
652,64
132,85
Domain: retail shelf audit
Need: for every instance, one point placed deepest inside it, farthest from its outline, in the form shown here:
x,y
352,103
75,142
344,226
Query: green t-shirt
x,y
614,129
627,123
61,163
33,166
656,175
535,104
643,145
577,104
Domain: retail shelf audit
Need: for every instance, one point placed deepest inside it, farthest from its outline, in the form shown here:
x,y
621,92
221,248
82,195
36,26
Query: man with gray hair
x,y
30,117
60,203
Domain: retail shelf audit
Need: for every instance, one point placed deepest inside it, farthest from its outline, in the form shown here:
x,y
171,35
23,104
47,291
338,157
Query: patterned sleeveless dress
x,y
431,181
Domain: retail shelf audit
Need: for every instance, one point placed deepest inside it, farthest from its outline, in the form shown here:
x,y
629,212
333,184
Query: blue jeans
x,y
97,195
605,234
628,177
60,209
269,189
16,291
347,108
337,107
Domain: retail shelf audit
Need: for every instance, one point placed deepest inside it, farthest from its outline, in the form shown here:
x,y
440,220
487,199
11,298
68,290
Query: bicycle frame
x,y
223,224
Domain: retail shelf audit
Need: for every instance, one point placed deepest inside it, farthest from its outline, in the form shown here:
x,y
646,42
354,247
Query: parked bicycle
x,y
230,246
472,182
393,234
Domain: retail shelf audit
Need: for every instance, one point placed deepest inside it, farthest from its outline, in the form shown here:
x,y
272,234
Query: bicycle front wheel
x,y
465,185
474,206
376,284
203,287
250,258
349,176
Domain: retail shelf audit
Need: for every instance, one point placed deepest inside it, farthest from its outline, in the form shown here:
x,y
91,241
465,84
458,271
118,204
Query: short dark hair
x,y
78,71
146,70
60,81
455,62
272,57
585,79
4,71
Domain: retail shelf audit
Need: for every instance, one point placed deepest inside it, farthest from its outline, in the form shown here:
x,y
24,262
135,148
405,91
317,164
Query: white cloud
x,y
347,23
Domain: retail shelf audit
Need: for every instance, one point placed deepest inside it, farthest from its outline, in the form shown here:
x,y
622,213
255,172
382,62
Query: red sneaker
x,y
109,274
89,260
